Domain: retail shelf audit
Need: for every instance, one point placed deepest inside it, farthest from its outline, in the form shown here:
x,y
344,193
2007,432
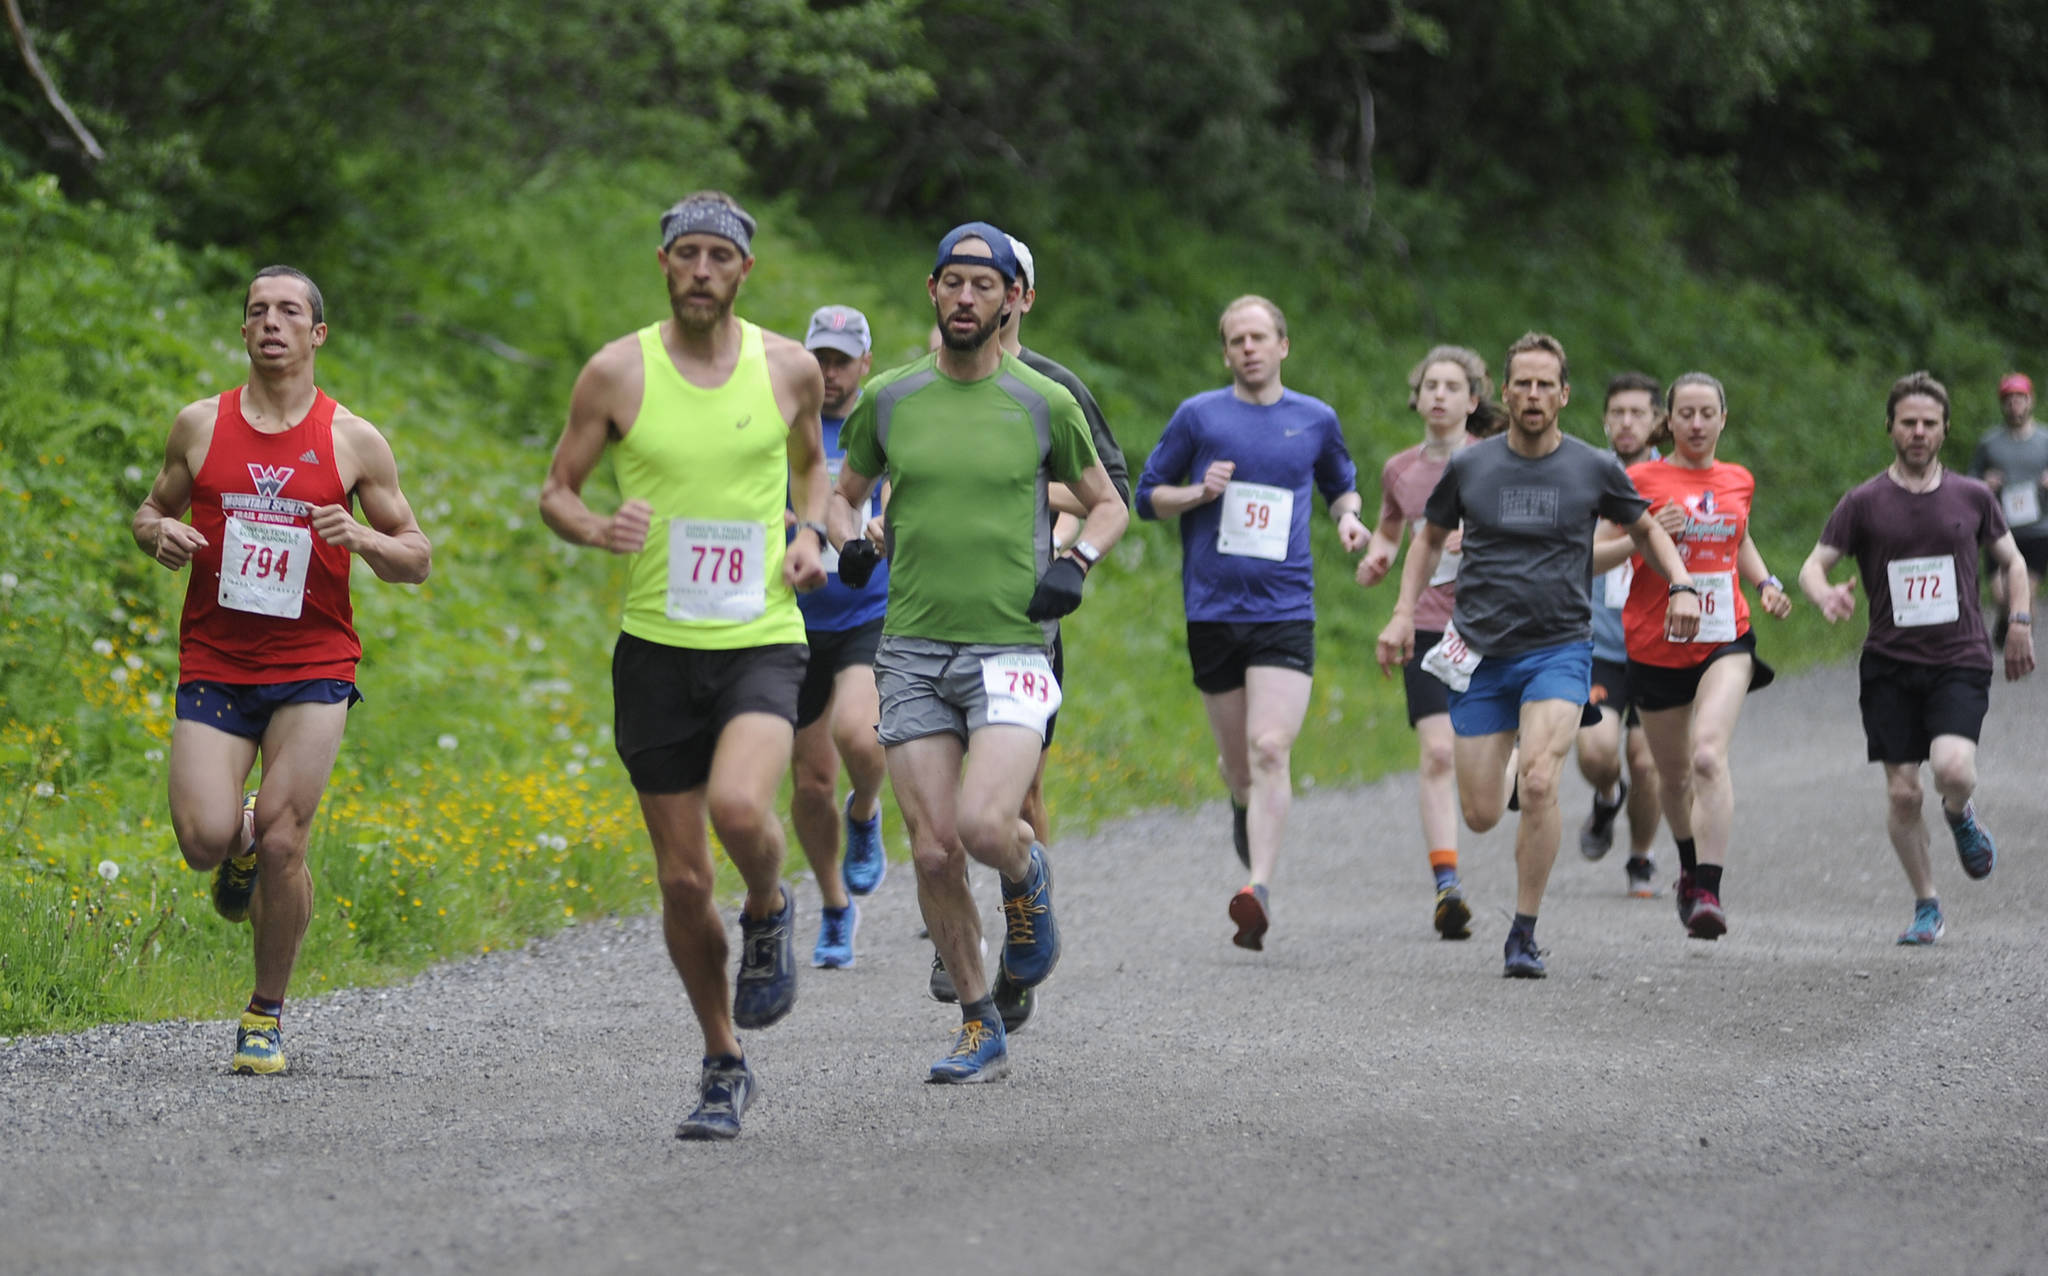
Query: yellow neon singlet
x,y
713,464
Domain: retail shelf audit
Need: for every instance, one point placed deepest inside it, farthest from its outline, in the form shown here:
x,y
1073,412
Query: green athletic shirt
x,y
703,456
969,528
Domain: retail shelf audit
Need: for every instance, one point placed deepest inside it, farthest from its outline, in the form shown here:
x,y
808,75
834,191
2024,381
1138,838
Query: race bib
x,y
1020,688
1717,606
1618,581
2022,502
1257,521
1451,660
263,567
716,571
1923,591
1446,566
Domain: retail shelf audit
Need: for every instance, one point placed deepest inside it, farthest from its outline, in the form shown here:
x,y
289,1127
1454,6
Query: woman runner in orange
x,y
1690,693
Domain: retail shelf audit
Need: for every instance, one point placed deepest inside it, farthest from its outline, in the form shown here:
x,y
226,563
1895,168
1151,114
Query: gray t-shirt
x,y
1529,539
2021,463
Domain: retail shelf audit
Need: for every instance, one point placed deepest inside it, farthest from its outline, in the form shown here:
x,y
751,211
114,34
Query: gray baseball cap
x,y
840,328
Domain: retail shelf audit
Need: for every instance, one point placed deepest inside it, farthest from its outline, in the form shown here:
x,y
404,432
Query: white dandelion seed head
x,y
109,870
448,741
45,789
8,580
103,647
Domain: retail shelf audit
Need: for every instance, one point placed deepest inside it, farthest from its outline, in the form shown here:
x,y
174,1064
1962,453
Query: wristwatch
x,y
1770,582
1088,554
819,528
1684,589
2020,618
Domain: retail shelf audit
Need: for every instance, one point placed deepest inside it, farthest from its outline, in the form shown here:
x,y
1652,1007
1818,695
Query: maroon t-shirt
x,y
1932,542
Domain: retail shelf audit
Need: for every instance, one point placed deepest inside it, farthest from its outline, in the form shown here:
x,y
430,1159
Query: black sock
x,y
984,1010
1688,858
1525,923
262,1006
1707,877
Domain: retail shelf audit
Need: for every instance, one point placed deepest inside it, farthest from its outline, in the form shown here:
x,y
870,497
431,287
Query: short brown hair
x,y
1253,299
1538,341
290,272
1921,382
1623,382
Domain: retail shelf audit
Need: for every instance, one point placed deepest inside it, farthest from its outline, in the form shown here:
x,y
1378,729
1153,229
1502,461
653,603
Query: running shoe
x,y
1974,846
1014,1002
866,863
723,1093
1704,918
1927,924
1642,877
1596,835
767,982
1522,960
942,981
1238,834
836,927
1453,914
234,878
1248,910
259,1045
1032,947
980,1053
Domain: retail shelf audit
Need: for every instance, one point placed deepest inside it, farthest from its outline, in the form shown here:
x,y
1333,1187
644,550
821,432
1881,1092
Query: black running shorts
x,y
670,703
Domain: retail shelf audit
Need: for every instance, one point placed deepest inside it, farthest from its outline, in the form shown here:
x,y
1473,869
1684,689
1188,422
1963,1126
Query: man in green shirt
x,y
970,439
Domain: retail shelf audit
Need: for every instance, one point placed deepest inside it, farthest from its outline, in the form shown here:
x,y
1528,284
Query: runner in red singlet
x,y
1690,692
267,650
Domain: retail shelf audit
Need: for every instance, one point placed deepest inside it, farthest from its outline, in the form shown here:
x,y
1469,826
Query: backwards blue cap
x,y
1001,257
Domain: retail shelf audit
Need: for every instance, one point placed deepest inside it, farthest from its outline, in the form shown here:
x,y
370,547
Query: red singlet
x,y
268,599
1716,501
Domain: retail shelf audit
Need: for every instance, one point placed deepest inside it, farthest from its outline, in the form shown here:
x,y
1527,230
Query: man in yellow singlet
x,y
713,420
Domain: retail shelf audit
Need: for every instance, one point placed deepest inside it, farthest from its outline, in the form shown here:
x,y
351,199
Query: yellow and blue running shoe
x,y
259,1045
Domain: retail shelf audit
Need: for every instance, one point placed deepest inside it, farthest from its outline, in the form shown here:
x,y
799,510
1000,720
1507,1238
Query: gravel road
x,y
1800,1096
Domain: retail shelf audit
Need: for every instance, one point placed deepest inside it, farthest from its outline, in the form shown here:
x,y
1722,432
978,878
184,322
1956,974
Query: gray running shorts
x,y
928,687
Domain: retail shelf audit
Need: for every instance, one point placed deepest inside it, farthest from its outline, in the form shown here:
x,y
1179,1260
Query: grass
x,y
478,802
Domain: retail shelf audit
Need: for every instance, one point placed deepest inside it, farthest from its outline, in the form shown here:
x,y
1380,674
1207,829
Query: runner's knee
x,y
1269,751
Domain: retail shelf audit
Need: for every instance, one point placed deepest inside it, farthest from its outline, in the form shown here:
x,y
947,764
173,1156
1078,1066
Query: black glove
x,y
1058,593
857,559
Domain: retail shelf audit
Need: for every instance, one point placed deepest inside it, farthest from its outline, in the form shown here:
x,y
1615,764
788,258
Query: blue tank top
x,y
836,607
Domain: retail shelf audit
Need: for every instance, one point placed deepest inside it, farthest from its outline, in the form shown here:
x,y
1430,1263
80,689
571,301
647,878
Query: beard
x,y
970,341
701,312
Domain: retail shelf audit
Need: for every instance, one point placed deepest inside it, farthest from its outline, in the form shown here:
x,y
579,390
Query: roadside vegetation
x,y
472,261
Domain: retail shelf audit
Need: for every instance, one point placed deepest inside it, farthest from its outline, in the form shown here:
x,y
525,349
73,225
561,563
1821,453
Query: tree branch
x,y
26,47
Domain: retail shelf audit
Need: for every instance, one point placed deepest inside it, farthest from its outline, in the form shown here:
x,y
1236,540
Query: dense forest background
x,y
1806,198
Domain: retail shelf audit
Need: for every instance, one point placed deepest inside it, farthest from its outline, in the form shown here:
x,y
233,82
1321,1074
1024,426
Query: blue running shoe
x,y
981,1052
836,927
1927,925
866,863
1974,846
259,1045
1032,948
767,981
724,1092
1523,961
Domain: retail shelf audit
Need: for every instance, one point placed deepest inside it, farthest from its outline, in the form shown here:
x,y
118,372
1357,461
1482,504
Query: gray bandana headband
x,y
704,217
